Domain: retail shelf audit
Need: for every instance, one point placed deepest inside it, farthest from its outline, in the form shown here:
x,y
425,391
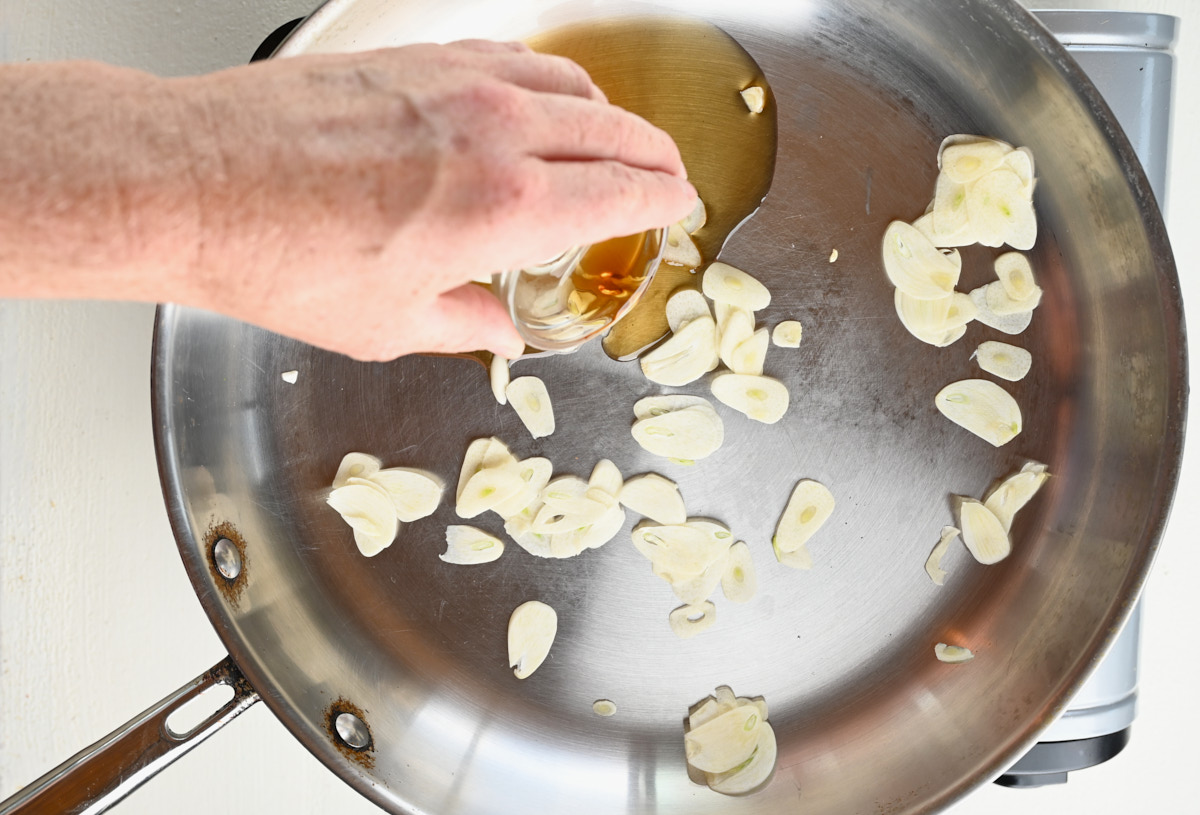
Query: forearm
x,y
97,193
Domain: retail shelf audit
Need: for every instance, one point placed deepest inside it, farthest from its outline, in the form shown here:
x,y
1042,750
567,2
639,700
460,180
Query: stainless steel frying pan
x,y
393,670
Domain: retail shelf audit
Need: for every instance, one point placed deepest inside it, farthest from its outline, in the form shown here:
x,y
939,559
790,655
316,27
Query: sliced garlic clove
x,y
953,654
933,564
1009,496
290,377
486,489
415,494
964,138
755,99
468,546
809,506
1000,212
498,376
604,529
604,707
937,322
355,465
689,434
999,303
532,402
531,631
737,327
605,476
537,545
371,545
725,741
535,473
799,559
788,334
1016,275
688,621
982,532
1003,360
697,589
983,408
962,236
751,773
654,497
719,532
723,283
686,356
706,711
1008,323
684,306
678,550
915,266
680,249
739,582
965,162
485,453
658,405
1020,161
365,506
750,356
695,219
760,397
949,215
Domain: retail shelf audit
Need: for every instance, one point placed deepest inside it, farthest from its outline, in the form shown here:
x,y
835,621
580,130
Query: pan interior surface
x,y
867,719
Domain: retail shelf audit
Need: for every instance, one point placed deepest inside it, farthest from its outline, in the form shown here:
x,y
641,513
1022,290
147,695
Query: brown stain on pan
x,y
364,757
231,590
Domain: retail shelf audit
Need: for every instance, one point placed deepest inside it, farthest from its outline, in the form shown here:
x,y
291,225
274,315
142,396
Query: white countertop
x,y
98,620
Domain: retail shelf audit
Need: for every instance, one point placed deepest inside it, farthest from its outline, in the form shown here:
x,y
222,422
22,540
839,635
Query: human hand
x,y
347,200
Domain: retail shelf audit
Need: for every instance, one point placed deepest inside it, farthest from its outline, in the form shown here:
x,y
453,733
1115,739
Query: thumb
x,y
470,318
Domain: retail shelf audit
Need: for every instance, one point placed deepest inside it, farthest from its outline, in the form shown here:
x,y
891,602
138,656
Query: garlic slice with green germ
x,y
679,550
953,654
481,453
948,211
1000,212
531,631
355,465
724,742
755,98
1014,492
788,334
933,564
739,582
809,506
965,162
487,488
680,249
760,397
983,408
686,355
498,377
689,434
688,621
415,494
723,283
655,497
532,402
982,532
1003,360
684,306
466,545
915,266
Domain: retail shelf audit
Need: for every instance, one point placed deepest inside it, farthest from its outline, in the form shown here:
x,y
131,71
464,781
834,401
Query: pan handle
x,y
99,776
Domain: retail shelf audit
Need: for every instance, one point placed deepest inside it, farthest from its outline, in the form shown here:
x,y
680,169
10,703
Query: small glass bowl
x,y
562,303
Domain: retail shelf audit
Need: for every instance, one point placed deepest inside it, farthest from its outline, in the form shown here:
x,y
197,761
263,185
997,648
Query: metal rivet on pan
x,y
352,731
228,559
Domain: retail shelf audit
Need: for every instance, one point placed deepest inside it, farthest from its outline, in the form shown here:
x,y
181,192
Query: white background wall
x,y
97,619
